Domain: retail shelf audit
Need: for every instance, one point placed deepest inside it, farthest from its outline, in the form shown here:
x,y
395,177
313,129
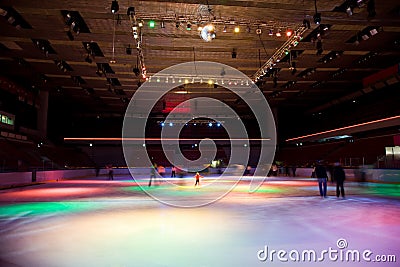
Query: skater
x,y
173,171
322,176
197,176
152,173
109,167
339,175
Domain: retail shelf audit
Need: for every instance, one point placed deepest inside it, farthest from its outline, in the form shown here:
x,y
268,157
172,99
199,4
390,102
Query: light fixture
x,y
278,33
152,24
365,37
114,6
128,50
317,18
307,23
236,29
349,11
271,32
234,53
188,26
162,24
373,32
177,24
224,30
289,33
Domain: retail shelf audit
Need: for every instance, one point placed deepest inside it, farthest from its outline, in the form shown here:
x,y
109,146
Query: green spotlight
x,y
152,24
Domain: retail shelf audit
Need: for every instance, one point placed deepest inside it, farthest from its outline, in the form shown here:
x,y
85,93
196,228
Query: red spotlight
x,y
289,33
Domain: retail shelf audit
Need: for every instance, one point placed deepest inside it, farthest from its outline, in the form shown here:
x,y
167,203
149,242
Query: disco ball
x,y
208,33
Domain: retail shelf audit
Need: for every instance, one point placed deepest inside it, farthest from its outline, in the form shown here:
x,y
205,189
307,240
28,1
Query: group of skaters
x,y
174,170
337,174
284,170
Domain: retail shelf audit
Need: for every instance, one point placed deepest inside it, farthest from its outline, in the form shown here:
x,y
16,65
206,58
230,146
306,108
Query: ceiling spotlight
x,y
131,11
248,29
373,32
307,23
349,11
237,29
271,32
278,33
141,23
152,24
258,31
317,18
189,26
129,50
289,33
114,6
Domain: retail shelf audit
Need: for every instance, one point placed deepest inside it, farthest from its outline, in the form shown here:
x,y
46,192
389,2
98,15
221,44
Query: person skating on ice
x,y
197,177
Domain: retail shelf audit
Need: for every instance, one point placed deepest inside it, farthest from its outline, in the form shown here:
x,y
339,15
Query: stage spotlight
x,y
349,11
189,26
114,7
278,33
317,18
289,33
237,29
210,124
234,53
258,31
162,24
224,30
131,11
177,24
307,23
152,24
129,50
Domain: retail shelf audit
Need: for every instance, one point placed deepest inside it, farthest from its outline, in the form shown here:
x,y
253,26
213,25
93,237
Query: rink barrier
x,y
24,178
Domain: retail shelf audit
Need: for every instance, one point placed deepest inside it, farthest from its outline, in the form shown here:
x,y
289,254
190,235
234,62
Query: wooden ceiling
x,y
304,82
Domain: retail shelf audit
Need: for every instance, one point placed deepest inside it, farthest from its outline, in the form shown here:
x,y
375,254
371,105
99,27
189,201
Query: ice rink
x,y
95,222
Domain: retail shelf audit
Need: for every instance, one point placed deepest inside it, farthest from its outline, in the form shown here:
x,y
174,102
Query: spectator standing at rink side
x,y
294,170
339,176
110,170
322,176
274,170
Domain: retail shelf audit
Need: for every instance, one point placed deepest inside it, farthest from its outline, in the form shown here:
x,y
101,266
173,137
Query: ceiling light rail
x,y
137,36
291,42
191,79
